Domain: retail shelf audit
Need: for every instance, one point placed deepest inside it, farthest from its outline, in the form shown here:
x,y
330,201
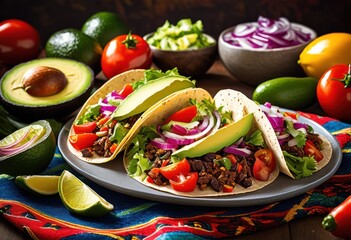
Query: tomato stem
x,y
130,42
347,78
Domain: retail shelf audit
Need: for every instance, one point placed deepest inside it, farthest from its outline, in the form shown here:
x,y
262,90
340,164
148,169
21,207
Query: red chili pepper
x,y
338,220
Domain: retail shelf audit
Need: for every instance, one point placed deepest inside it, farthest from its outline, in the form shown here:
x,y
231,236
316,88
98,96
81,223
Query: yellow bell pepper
x,y
324,52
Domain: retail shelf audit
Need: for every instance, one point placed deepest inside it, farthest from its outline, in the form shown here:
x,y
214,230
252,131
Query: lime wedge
x,y
38,184
79,198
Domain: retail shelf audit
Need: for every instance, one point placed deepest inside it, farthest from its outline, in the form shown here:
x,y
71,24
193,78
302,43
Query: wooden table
x,y
309,228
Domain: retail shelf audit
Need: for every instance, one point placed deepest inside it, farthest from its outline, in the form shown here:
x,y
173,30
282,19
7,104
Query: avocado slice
x,y
214,142
147,95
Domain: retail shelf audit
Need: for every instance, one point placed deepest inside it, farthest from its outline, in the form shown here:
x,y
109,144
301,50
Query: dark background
x,y
143,16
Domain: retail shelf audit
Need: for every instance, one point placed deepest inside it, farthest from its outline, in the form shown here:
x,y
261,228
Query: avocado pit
x,y
43,81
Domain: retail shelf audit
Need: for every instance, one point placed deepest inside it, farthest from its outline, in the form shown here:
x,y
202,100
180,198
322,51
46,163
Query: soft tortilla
x,y
230,100
229,97
116,83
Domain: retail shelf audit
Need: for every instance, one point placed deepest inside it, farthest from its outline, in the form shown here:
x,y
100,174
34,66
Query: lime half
x,y
79,198
38,184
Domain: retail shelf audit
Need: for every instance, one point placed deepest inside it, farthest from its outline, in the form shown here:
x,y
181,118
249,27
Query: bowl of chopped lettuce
x,y
183,46
255,52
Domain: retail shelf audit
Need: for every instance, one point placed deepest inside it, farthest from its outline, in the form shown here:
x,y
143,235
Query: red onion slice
x,y
237,151
267,34
160,143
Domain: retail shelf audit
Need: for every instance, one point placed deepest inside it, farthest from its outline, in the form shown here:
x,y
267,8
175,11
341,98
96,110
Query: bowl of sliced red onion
x,y
255,52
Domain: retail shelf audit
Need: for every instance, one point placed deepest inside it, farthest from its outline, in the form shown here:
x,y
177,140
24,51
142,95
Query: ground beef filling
x,y
101,146
211,174
299,151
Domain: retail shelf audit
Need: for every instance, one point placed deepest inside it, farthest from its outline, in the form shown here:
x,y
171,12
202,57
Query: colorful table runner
x,y
45,217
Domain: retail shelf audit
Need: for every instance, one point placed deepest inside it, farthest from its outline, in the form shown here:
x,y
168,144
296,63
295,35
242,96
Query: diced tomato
x,y
149,179
311,150
173,170
165,162
227,188
264,164
127,89
185,183
104,128
291,114
102,121
113,147
184,115
82,140
234,160
88,127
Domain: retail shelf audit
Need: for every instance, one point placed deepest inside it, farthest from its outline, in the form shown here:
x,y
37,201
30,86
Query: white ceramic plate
x,y
113,176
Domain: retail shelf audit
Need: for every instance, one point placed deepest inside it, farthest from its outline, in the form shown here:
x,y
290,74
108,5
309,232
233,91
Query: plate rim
x,y
292,188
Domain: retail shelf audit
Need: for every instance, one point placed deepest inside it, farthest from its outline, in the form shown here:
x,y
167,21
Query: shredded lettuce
x,y
119,132
138,163
92,112
255,138
153,74
300,166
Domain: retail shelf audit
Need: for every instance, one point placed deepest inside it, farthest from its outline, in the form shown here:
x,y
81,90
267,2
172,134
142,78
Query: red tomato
x,y
184,115
84,128
311,150
264,164
173,170
82,140
227,188
19,42
127,89
113,147
185,183
125,52
334,92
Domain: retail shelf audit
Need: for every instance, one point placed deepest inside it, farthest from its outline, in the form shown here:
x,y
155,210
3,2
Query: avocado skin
x,y
63,110
223,137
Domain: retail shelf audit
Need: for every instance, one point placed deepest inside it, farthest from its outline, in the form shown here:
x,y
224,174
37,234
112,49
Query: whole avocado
x,y
288,92
73,44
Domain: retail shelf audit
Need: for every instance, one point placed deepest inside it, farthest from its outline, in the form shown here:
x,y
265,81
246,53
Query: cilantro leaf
x,y
299,136
300,166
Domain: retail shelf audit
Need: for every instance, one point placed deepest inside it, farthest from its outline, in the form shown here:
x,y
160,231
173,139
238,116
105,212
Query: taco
x,y
236,157
102,125
304,151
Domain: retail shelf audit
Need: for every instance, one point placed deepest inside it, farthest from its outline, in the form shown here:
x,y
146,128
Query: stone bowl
x,y
254,66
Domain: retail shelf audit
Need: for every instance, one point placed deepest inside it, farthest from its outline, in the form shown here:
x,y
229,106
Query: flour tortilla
x,y
114,84
230,101
229,97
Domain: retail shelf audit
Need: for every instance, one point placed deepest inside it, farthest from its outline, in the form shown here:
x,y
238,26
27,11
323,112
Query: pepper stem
x,y
130,42
329,223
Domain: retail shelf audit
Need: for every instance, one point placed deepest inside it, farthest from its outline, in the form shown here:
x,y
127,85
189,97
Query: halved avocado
x,y
18,102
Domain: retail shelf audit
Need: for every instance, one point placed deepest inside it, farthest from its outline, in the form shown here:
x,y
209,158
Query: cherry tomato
x,y
334,92
19,42
184,115
82,140
311,150
173,170
84,128
127,89
185,183
264,164
125,52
